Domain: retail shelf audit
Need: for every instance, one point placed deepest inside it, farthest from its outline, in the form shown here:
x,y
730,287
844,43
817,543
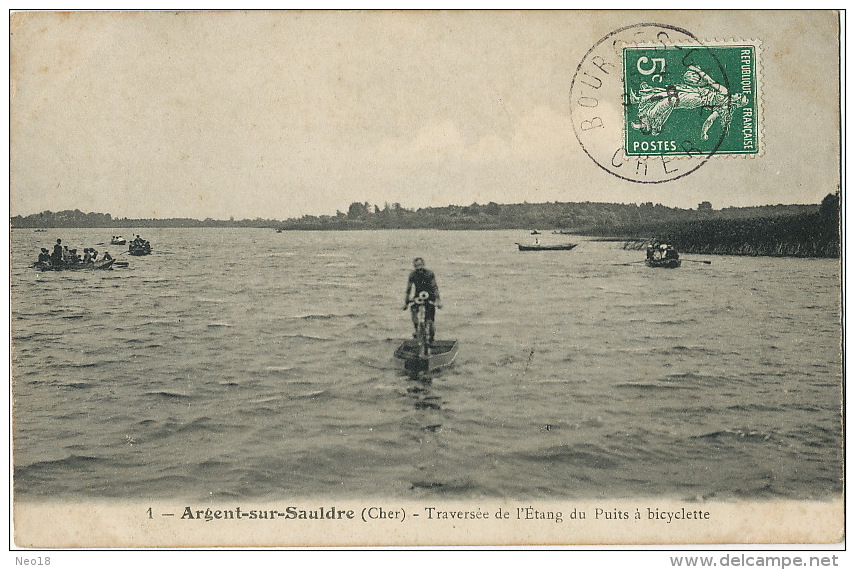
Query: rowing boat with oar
x,y
48,266
667,263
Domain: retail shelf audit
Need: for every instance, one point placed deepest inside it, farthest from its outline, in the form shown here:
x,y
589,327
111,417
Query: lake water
x,y
255,364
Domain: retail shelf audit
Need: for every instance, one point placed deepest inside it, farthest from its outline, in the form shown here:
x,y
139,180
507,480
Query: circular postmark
x,y
646,103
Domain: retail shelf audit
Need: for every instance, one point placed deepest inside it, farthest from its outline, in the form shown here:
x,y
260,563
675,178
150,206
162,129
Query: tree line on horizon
x,y
78,219
573,217
597,218
780,230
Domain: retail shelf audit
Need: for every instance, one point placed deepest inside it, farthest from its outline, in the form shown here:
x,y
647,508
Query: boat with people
x,y
118,240
65,259
662,255
139,246
140,249
442,353
423,352
102,264
539,247
666,263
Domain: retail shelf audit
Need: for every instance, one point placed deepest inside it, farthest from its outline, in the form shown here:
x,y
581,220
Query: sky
x,y
280,114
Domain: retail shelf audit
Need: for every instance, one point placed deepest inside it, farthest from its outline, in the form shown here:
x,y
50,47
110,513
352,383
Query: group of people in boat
x,y
139,244
657,250
62,256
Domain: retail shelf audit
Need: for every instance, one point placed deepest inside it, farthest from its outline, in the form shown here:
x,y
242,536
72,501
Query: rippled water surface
x,y
256,364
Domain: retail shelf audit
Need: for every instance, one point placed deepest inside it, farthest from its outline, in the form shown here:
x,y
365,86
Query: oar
x,y
699,261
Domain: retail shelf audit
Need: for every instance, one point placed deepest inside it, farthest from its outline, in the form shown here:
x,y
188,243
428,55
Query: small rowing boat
x,y
564,247
662,255
442,353
668,263
139,249
47,266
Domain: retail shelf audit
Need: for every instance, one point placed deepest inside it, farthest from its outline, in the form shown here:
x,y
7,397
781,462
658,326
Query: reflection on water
x,y
422,397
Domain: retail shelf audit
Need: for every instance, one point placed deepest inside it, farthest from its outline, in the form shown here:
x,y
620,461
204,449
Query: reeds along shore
x,y
803,235
770,249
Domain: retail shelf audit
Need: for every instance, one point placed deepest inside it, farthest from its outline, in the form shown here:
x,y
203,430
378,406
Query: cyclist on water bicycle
x,y
422,281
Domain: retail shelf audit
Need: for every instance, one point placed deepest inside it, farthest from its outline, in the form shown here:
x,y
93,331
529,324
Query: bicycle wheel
x,y
422,333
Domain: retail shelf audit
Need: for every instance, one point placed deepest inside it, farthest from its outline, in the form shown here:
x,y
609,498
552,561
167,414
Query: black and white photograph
x,y
429,278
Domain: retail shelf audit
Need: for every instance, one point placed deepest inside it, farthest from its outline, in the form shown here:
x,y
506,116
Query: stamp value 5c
x,y
691,100
652,103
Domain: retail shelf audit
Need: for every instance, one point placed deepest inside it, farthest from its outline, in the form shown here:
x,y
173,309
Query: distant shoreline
x,y
571,217
782,231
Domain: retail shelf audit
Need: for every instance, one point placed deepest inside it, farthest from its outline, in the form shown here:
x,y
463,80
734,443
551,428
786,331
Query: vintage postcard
x,y
426,279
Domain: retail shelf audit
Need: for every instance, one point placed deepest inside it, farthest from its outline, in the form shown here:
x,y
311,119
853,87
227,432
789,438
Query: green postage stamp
x,y
691,100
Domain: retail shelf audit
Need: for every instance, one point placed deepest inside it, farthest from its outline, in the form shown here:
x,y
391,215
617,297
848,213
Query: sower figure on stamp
x,y
655,104
423,280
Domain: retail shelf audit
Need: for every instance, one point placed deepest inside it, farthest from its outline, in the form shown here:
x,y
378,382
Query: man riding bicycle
x,y
420,280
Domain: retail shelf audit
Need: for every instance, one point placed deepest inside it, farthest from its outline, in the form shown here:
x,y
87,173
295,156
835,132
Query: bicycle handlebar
x,y
415,302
